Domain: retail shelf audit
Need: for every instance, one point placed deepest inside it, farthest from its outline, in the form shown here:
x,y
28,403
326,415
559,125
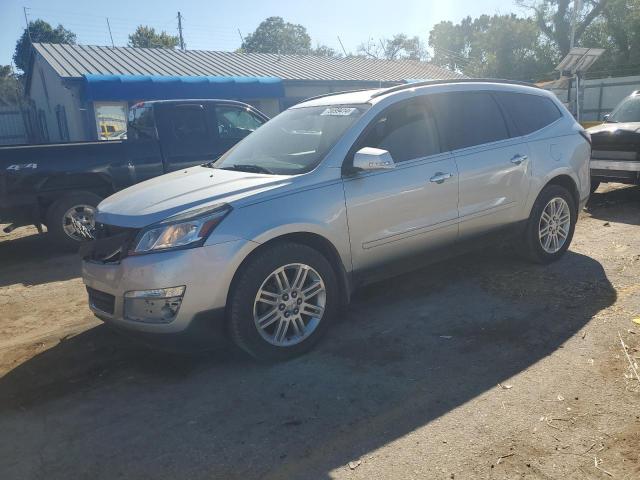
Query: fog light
x,y
159,305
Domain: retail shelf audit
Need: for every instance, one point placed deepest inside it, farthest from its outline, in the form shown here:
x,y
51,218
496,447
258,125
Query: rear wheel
x,y
550,226
283,302
70,219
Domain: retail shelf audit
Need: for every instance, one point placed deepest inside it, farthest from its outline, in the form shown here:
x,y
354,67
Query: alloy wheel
x,y
79,221
554,225
289,304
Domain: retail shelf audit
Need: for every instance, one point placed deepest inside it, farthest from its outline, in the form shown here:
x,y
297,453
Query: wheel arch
x,y
58,186
310,239
566,181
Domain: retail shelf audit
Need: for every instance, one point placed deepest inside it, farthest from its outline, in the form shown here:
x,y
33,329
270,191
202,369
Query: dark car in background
x,y
615,155
60,185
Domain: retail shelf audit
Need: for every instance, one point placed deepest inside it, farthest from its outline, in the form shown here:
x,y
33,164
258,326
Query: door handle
x,y
440,177
518,159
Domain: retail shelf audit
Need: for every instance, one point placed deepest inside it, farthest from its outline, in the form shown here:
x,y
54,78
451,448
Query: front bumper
x,y
206,272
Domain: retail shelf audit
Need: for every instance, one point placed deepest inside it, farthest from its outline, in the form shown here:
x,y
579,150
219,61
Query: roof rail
x,y
406,86
337,93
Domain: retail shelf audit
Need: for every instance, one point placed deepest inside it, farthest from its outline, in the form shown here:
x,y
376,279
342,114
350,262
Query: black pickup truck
x,y
615,154
60,185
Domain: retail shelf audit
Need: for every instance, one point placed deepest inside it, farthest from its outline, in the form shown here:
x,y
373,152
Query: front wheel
x,y
550,226
283,301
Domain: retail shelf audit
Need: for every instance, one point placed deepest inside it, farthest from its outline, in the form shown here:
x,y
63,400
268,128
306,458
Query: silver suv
x,y
266,243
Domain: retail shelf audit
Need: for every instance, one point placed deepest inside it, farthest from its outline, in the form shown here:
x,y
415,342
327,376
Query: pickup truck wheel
x,y
282,302
70,219
550,226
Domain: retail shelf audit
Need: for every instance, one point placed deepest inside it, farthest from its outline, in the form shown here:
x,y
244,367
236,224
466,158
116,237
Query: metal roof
x,y
74,61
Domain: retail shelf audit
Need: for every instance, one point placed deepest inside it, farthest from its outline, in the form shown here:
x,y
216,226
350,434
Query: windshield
x,y
627,111
293,142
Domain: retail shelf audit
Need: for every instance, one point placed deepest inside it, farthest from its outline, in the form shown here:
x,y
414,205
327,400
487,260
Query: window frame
x,y
347,164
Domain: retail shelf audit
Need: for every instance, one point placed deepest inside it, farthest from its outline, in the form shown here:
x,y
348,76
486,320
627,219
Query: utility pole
x,y
110,36
27,22
180,31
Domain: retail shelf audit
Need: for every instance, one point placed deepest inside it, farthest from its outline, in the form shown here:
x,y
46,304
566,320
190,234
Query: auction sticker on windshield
x,y
339,111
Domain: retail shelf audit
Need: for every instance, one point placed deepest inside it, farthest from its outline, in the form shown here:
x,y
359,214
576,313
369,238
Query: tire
x,y
532,245
56,221
258,275
594,186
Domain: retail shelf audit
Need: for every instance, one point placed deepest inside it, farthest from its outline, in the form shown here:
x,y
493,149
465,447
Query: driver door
x,y
412,208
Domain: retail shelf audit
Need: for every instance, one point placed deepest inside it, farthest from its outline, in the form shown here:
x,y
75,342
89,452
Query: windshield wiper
x,y
248,168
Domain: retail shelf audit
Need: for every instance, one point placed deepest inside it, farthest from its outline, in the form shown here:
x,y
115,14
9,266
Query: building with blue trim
x,y
81,92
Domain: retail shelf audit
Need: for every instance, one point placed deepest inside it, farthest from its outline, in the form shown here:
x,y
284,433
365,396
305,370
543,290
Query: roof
x,y
75,61
456,84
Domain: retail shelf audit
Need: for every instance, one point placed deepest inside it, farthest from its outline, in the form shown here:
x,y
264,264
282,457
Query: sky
x,y
217,25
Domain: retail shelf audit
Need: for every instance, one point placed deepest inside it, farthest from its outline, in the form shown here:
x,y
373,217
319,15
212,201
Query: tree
x,y
274,35
498,46
41,32
554,18
399,47
618,31
10,87
325,51
147,37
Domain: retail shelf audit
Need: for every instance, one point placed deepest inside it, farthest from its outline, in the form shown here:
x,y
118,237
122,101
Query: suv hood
x,y
161,197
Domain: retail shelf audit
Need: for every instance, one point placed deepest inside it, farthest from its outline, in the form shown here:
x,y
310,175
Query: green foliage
x,y
147,37
618,31
10,87
274,35
399,47
498,46
41,32
554,18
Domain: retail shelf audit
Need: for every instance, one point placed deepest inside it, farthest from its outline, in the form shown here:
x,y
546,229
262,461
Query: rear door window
x,y
466,119
189,123
406,130
529,112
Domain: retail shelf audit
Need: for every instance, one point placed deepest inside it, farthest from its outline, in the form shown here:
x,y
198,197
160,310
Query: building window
x,y
111,120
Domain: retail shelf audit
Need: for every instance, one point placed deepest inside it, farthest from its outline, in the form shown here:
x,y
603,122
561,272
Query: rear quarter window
x,y
530,113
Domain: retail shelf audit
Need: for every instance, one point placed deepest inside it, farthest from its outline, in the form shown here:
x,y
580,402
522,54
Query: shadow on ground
x,y
407,351
621,205
33,260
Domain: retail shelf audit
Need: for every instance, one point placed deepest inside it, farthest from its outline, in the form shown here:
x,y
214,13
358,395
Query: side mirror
x,y
606,117
369,158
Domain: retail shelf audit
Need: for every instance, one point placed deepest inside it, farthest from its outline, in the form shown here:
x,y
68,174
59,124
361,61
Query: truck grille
x,y
102,301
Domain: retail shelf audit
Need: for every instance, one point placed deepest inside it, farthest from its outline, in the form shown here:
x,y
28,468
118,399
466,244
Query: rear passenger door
x,y
411,208
493,166
186,136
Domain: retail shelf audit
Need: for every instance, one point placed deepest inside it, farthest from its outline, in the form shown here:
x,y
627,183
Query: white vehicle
x,y
266,243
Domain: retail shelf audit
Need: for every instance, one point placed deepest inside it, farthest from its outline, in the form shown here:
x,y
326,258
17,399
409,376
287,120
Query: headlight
x,y
186,230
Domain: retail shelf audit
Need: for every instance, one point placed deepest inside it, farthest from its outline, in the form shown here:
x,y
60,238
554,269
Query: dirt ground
x,y
480,367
